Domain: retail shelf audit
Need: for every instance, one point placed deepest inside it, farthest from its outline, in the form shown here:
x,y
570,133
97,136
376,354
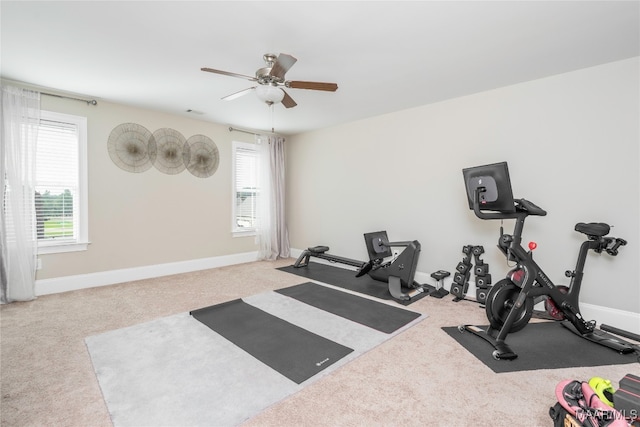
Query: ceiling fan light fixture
x,y
269,93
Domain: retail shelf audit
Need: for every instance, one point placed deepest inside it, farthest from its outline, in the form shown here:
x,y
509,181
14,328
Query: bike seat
x,y
596,229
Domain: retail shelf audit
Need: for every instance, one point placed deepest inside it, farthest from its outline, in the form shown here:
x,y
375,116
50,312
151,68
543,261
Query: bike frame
x,y
535,283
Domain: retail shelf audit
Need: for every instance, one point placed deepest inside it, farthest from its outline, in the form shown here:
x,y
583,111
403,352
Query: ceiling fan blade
x,y
238,94
330,87
282,65
287,101
227,73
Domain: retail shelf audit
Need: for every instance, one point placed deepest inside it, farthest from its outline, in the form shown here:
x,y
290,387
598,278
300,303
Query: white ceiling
x,y
385,56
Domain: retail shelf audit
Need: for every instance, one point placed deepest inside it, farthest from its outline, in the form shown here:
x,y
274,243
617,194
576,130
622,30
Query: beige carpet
x,y
421,377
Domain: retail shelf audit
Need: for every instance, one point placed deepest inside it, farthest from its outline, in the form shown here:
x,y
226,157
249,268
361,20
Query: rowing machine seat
x,y
318,249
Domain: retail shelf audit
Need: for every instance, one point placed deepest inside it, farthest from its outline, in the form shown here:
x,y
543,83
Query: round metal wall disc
x,y
169,153
129,147
201,156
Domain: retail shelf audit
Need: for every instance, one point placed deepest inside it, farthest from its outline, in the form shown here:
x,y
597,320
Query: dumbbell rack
x,y
460,284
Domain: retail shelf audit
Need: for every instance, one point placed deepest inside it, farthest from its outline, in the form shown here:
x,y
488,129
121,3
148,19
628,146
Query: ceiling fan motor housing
x,y
264,75
265,79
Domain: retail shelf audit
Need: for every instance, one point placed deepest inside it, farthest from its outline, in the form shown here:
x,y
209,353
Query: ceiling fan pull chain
x,y
271,117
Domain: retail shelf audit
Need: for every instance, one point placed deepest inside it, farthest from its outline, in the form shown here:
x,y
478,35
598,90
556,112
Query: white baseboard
x,y
104,278
626,320
621,319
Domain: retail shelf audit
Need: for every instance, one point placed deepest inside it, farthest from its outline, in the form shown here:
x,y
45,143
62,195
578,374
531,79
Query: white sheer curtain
x,y
271,230
19,129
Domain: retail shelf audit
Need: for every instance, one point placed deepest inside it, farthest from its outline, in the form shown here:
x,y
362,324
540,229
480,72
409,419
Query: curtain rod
x,y
89,102
232,129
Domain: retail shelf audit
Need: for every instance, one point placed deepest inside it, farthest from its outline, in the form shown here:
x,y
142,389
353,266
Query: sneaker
x,y
603,388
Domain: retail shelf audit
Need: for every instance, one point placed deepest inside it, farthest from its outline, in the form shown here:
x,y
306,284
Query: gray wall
x,y
571,142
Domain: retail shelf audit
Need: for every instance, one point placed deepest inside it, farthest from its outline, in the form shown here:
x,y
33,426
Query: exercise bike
x,y
510,303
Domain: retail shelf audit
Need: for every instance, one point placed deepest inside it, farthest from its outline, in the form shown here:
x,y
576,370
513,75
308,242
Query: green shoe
x,y
603,389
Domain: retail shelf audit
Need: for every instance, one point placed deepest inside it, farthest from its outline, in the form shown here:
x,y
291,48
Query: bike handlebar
x,y
530,207
523,208
613,244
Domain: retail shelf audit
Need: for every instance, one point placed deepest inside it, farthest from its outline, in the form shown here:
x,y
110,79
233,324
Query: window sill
x,y
243,233
62,248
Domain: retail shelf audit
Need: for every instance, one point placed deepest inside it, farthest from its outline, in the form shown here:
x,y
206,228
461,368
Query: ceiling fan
x,y
269,79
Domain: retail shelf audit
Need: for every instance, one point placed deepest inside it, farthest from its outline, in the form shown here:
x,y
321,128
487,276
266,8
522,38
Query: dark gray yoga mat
x,y
343,278
376,315
289,349
544,345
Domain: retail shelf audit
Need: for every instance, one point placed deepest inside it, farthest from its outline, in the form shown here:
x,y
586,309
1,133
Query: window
x,y
245,179
61,183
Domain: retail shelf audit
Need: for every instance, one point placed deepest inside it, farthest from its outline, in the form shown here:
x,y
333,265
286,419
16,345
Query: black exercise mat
x,y
343,278
543,345
376,315
289,349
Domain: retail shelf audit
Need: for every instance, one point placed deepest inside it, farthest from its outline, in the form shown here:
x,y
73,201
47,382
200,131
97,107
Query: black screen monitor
x,y
376,243
494,178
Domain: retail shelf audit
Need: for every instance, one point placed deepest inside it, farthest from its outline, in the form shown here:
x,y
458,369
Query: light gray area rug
x,y
175,371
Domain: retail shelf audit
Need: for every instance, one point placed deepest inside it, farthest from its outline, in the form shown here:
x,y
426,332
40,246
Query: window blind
x,y
57,181
245,177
